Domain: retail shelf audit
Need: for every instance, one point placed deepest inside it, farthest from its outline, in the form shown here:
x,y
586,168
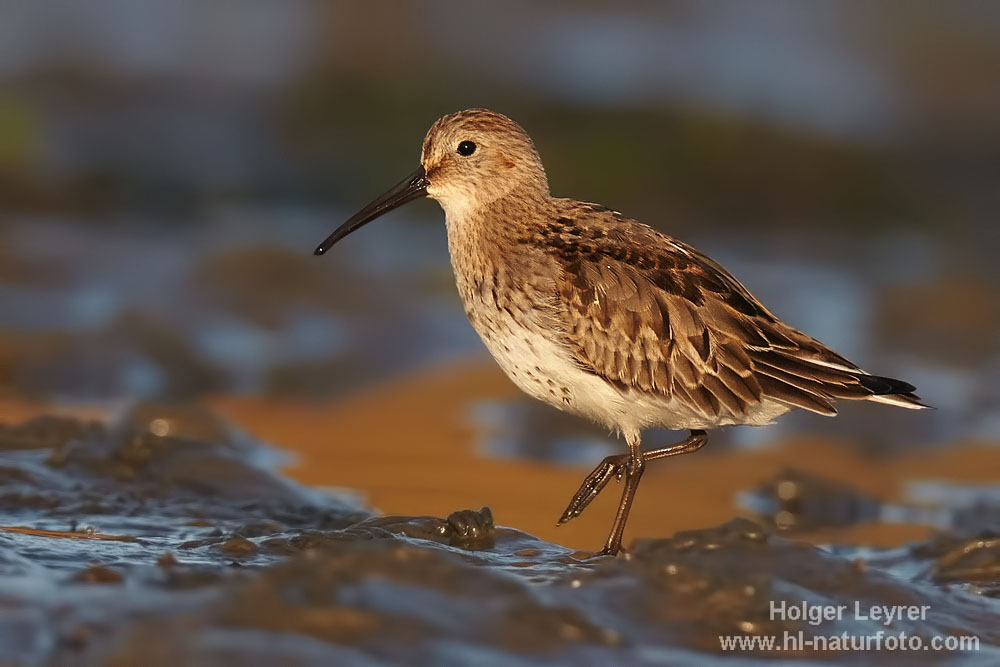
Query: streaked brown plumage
x,y
605,317
649,313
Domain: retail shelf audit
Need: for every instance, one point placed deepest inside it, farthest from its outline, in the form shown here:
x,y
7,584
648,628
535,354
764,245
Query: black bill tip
x,y
412,187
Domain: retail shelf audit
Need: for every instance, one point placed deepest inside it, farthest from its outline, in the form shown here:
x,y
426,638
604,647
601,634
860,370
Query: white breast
x,y
545,370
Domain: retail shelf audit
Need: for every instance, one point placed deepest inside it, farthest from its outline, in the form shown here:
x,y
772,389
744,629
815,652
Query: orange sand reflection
x,y
408,447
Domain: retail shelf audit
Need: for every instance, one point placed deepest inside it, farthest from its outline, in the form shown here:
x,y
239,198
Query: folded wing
x,y
648,313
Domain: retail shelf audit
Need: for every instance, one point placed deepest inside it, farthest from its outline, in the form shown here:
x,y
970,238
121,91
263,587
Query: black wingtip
x,y
881,386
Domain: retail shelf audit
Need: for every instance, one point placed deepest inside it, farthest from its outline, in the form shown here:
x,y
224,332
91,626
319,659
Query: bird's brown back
x,y
648,313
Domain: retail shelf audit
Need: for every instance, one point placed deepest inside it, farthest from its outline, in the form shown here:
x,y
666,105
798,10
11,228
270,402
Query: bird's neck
x,y
483,238
499,220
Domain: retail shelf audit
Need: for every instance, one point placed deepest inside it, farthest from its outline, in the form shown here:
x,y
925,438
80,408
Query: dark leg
x,y
634,467
617,467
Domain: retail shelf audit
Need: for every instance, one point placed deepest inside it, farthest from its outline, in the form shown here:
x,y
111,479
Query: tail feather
x,y
811,376
909,401
882,385
892,392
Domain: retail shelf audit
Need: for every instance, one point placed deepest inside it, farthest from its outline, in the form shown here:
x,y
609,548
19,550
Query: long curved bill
x,y
413,187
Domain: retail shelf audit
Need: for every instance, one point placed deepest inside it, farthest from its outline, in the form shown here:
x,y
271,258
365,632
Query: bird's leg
x,y
692,443
634,467
615,466
593,484
633,472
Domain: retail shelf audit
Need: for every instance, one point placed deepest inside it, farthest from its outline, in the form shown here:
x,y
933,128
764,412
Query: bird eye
x,y
466,148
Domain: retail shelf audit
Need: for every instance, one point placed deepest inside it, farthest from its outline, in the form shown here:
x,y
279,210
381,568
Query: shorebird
x,y
605,317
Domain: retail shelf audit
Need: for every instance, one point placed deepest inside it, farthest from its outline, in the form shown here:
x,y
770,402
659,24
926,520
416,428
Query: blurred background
x,y
166,169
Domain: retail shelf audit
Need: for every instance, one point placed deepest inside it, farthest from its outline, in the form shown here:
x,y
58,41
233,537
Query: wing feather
x,y
648,313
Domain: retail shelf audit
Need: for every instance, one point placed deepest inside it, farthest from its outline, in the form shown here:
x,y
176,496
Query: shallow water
x,y
174,541
160,212
237,304
168,536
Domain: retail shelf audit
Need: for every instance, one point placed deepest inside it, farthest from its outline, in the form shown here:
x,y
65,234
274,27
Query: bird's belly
x,y
546,370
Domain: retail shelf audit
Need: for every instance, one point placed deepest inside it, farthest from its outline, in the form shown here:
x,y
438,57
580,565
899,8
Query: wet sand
x,y
161,536
409,447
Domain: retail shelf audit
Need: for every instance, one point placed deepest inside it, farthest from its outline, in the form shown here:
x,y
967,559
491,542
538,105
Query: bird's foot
x,y
610,467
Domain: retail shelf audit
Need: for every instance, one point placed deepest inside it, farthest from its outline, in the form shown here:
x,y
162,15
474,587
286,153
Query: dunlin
x,y
605,317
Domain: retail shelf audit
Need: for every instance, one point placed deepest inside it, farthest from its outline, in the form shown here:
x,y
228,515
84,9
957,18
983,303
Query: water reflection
x,y
202,308
166,170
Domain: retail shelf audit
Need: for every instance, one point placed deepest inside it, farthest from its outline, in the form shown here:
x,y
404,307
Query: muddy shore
x,y
162,534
